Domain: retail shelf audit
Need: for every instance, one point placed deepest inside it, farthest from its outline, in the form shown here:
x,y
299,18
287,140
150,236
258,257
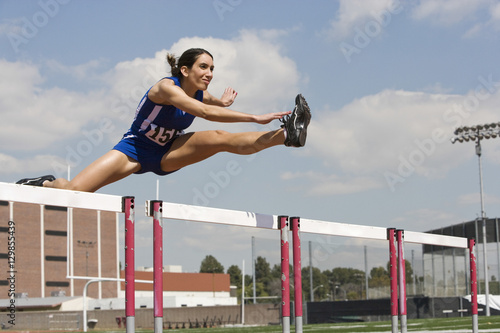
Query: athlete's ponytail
x,y
172,62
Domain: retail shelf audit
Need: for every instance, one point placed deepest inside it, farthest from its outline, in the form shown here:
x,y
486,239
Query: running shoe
x,y
296,124
36,181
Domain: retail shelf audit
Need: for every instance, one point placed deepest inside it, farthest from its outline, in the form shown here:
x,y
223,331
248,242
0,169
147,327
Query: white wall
x,y
144,299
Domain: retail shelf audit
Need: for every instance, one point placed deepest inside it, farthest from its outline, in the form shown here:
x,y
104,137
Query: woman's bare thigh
x,y
194,147
107,169
191,148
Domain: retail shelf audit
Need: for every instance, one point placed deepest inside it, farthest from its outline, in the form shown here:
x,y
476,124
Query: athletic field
x,y
442,325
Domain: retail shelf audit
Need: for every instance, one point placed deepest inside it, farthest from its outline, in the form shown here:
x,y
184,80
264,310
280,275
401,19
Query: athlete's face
x,y
201,73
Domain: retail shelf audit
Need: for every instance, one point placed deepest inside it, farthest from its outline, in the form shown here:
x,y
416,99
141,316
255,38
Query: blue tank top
x,y
160,123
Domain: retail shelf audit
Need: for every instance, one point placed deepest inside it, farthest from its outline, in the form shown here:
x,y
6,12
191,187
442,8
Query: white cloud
x,y
10,26
495,12
397,133
492,23
324,184
474,31
446,12
10,165
425,219
37,117
475,199
81,71
369,134
353,13
130,79
484,15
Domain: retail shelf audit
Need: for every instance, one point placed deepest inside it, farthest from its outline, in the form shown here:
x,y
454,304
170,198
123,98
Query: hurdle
x,y
95,201
128,204
191,213
297,272
285,273
129,209
13,193
393,271
157,266
473,284
402,280
391,235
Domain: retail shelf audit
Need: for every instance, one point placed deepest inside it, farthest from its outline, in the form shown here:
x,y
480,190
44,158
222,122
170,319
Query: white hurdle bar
x,y
61,198
215,215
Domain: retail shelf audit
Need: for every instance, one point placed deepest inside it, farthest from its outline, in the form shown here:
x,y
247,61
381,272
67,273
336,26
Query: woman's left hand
x,y
228,96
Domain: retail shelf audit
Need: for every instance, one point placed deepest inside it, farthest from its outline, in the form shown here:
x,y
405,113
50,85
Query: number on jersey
x,y
162,135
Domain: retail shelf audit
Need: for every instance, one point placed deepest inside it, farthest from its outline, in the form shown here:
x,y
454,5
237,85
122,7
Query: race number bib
x,y
162,135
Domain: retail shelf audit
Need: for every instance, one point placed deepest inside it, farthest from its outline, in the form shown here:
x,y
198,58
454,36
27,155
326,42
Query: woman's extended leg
x,y
194,147
109,168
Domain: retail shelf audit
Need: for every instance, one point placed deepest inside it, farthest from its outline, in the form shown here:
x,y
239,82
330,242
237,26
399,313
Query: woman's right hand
x,y
267,118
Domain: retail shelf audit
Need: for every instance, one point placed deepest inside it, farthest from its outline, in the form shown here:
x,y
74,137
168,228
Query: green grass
x,y
492,324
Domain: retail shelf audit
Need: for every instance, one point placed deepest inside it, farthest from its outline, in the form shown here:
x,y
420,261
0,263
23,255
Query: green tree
x,y
345,283
234,275
276,272
379,277
263,277
345,275
320,284
274,284
211,265
262,270
260,291
408,271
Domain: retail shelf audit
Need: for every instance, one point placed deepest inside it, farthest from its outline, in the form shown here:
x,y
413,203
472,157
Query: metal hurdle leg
x,y
157,265
297,273
285,274
128,209
473,286
394,278
402,280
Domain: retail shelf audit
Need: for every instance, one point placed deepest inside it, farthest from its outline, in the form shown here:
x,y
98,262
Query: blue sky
x,y
387,81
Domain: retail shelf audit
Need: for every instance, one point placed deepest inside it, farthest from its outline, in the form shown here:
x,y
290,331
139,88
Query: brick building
x,y
42,262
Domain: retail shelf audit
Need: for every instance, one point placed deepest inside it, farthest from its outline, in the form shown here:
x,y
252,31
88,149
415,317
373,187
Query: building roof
x,y
469,229
36,303
205,282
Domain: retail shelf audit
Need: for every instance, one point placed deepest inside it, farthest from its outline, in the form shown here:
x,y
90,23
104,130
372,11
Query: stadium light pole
x,y
314,289
86,244
476,134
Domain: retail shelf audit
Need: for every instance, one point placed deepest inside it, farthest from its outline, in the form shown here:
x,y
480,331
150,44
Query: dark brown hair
x,y
188,58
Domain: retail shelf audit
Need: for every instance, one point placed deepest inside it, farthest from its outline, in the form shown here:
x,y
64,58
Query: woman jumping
x,y
156,141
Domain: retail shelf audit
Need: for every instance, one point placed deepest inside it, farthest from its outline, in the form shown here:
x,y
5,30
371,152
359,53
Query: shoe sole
x,y
302,104
34,181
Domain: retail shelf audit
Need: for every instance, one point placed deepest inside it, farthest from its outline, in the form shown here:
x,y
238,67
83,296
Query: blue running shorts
x,y
149,156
